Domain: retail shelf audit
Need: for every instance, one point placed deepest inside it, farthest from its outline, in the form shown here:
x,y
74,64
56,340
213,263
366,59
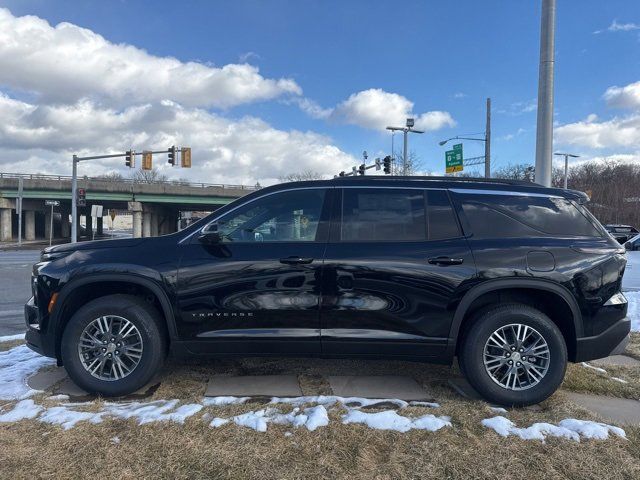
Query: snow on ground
x,y
569,428
16,365
391,420
603,371
12,338
633,311
311,418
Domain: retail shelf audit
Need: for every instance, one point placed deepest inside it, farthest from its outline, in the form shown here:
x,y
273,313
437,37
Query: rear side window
x,y
499,216
382,215
440,216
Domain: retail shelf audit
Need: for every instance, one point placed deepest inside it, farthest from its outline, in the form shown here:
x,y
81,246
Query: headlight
x,y
51,256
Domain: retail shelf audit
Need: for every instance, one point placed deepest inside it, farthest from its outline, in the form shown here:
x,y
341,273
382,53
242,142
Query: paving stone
x,y
253,386
380,386
45,379
464,388
620,411
76,394
618,360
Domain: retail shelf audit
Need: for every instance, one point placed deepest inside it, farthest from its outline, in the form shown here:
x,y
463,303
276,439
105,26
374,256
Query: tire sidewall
x,y
473,355
137,312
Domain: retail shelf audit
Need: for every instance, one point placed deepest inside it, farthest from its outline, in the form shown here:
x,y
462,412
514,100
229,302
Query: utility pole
x,y
544,128
19,207
487,142
406,129
566,165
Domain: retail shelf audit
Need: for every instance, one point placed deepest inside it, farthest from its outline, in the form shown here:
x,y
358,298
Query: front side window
x,y
382,215
292,216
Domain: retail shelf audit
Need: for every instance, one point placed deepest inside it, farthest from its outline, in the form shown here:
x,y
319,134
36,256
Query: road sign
x,y
185,157
147,160
52,203
96,211
454,159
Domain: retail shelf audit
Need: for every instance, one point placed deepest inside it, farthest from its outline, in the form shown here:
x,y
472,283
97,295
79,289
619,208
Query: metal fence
x,y
38,176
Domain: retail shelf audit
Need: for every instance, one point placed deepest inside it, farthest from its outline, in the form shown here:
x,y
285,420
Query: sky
x,y
262,89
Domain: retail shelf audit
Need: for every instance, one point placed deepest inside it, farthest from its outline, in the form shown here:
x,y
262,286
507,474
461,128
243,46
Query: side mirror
x,y
210,235
628,246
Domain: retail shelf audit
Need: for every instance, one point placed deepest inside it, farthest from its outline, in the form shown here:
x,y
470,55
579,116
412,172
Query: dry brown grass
x,y
633,349
468,450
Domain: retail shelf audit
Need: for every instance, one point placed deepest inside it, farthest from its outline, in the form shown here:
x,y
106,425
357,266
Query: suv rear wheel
x,y
113,345
514,355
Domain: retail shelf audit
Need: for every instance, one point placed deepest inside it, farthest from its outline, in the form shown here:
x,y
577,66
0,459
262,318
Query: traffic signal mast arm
x,y
386,163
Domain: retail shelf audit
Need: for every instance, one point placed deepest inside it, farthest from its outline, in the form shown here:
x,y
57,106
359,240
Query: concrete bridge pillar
x,y
47,224
89,224
154,224
136,210
29,225
99,227
6,210
146,224
65,226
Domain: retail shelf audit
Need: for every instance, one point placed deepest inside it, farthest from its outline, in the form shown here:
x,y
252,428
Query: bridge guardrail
x,y
38,176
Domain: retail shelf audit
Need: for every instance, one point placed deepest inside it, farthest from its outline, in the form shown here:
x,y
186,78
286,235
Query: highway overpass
x,y
155,207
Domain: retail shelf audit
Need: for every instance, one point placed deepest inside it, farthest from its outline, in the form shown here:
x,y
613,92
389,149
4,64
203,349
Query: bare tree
x,y
414,164
301,176
111,177
517,171
149,176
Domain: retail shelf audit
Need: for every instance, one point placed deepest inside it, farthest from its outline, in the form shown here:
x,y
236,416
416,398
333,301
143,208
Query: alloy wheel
x,y
516,357
110,347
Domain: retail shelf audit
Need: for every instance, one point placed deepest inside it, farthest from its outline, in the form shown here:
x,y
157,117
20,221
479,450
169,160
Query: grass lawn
x,y
31,449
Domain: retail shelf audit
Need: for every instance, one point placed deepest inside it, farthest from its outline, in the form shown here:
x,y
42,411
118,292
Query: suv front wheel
x,y
514,355
113,345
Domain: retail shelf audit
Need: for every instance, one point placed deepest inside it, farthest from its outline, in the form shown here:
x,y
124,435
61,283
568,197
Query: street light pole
x,y
406,129
544,127
74,206
487,142
566,165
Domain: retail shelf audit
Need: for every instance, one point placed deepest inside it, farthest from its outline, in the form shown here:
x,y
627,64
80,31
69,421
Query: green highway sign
x,y
453,159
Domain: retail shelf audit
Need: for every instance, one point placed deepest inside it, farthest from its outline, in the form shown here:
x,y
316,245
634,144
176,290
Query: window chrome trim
x,y
509,193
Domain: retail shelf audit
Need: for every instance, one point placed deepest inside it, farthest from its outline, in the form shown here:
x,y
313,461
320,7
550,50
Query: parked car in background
x,y
633,244
621,233
512,278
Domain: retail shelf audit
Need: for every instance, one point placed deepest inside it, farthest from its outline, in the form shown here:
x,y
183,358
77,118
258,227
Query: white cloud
x,y
518,108
66,63
376,109
459,95
623,27
41,139
624,97
618,132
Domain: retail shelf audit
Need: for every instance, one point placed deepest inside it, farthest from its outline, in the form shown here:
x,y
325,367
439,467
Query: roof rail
x,y
502,181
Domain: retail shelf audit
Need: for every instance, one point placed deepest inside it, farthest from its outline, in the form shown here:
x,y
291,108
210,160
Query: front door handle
x,y
444,261
294,260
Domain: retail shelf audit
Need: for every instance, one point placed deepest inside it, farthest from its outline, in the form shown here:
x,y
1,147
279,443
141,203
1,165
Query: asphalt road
x,y
15,275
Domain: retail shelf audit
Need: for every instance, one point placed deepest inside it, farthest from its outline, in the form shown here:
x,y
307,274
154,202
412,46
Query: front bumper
x,y
37,339
610,342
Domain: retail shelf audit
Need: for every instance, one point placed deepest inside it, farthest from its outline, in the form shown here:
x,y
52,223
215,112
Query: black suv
x,y
512,278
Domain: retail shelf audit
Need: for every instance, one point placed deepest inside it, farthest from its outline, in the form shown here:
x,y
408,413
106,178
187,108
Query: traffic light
x,y
130,159
81,197
361,169
185,157
387,164
172,155
147,161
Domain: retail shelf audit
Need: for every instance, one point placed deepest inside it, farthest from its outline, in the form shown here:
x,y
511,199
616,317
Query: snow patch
x,y
633,309
311,418
221,401
16,365
12,338
597,369
498,409
570,429
25,409
391,420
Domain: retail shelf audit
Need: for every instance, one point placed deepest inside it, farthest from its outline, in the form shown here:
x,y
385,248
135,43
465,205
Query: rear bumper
x,y
612,341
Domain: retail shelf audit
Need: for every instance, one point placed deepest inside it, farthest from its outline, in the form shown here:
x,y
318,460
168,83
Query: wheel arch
x,y
73,295
535,292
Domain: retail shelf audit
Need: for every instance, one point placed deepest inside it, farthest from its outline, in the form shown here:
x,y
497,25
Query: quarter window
x,y
383,215
499,216
292,216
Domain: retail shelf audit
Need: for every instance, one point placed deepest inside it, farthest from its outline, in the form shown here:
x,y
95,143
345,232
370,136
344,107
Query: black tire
x,y
145,318
471,355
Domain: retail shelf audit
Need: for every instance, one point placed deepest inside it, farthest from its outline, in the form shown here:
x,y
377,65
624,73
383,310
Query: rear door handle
x,y
293,260
445,261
